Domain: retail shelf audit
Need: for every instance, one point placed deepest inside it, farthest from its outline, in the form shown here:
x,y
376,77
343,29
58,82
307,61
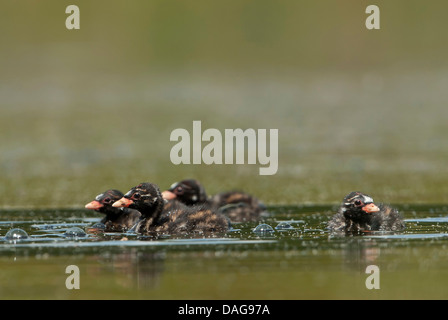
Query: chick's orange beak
x,y
168,195
370,208
94,205
123,202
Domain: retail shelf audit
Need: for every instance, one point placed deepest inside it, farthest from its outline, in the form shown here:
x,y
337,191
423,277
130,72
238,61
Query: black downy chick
x,y
358,213
238,206
180,220
116,219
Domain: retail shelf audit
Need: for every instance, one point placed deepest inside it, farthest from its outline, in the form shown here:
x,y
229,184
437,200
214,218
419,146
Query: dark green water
x,y
303,262
83,111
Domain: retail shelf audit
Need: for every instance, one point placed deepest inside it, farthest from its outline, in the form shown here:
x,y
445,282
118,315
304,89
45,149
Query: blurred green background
x,y
85,110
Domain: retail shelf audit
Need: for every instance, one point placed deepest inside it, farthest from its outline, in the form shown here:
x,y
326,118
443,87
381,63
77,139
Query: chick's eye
x,y
107,200
136,196
180,190
358,203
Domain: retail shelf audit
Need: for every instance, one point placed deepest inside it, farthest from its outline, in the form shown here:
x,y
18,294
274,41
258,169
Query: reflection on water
x,y
141,270
289,255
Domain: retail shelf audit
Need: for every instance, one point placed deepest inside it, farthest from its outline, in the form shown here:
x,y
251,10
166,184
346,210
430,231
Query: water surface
x,y
294,259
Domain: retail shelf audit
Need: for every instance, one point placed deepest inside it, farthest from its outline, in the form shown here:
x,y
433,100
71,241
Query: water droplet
x,y
98,226
263,229
283,226
75,232
16,234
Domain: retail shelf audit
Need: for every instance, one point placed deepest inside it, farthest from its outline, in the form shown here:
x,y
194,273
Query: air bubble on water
x,y
98,226
16,234
75,232
283,226
263,229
